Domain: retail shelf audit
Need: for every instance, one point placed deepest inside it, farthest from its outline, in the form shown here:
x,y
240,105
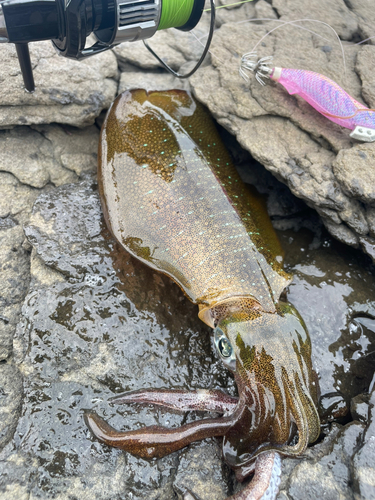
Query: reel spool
x,y
69,22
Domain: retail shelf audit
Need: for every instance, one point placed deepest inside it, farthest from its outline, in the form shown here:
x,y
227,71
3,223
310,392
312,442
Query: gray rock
x,y
67,91
264,10
354,168
167,43
328,474
364,460
234,13
173,46
341,232
335,13
364,11
368,245
11,394
370,215
197,465
359,407
366,61
16,199
48,153
14,277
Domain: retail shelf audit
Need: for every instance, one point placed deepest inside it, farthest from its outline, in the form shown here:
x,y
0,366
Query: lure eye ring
x,y
225,349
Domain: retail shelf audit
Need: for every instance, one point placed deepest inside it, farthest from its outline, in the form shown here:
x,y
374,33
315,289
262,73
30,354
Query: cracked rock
x,y
11,395
67,91
327,476
315,157
15,276
335,13
48,153
364,460
364,11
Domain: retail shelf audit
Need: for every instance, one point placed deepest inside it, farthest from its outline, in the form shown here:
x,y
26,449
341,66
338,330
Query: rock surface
x,y
313,156
364,460
67,91
54,154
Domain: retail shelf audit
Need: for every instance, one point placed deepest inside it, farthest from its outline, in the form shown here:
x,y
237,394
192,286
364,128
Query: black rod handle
x,y
25,64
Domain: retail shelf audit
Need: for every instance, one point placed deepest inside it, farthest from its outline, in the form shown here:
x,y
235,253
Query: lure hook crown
x,y
260,67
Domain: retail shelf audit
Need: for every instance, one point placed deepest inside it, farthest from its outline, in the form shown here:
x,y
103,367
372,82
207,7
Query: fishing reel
x,y
68,23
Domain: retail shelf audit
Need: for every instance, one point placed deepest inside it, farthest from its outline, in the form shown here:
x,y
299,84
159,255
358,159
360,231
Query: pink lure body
x,y
326,97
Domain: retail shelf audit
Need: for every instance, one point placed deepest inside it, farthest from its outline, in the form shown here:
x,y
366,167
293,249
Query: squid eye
x,y
225,349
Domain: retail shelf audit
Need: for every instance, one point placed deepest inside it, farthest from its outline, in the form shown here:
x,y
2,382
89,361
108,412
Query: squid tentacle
x,y
156,441
266,481
180,399
305,415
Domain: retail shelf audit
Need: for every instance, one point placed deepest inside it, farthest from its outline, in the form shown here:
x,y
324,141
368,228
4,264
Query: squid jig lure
x,y
322,93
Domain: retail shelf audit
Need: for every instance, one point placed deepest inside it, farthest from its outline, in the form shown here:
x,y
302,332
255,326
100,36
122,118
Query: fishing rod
x,y
68,23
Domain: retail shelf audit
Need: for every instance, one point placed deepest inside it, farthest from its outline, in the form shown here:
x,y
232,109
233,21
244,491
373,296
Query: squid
x,y
173,199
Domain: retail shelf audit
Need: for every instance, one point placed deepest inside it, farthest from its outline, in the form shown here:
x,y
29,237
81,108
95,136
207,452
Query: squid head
x,y
270,355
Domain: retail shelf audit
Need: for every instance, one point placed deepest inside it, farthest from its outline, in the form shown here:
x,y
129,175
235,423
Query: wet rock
x,y
15,276
197,465
370,215
32,158
37,157
336,298
368,245
96,322
359,407
11,393
85,335
326,473
312,155
67,91
364,460
48,154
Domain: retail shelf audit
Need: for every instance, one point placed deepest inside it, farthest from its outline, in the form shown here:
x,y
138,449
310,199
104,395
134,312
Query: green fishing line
x,y
175,13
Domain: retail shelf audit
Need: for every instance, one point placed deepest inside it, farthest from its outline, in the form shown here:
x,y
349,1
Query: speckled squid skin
x,y
172,197
180,205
